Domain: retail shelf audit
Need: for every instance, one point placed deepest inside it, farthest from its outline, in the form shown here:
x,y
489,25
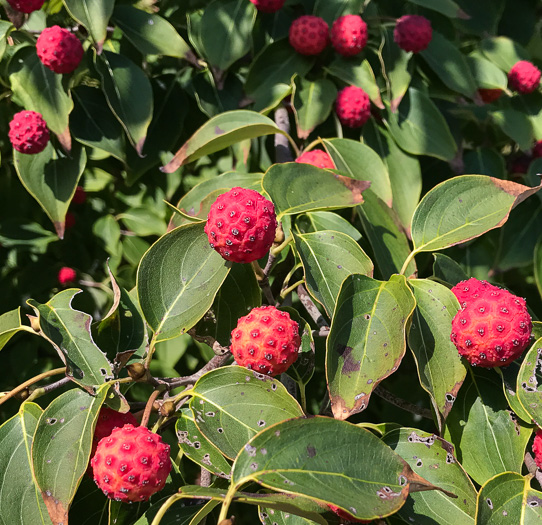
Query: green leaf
x,y
5,28
446,7
528,388
177,280
446,270
366,342
107,230
396,69
150,33
361,163
68,330
450,65
486,74
462,208
516,125
440,368
296,187
315,221
94,15
220,132
419,128
129,95
509,375
508,497
503,51
312,103
320,253
177,514
232,404
21,502
537,262
278,517
10,324
330,10
143,221
306,457
488,438
433,458
51,178
41,90
226,30
484,161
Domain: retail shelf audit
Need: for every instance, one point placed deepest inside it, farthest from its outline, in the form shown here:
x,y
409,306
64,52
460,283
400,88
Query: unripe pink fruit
x,y
413,33
26,6
349,35
353,107
59,50
524,77
317,158
309,35
28,132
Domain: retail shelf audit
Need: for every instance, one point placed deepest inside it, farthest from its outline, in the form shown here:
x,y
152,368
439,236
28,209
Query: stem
x,y
290,274
164,508
35,379
280,247
303,396
216,362
407,262
282,151
312,145
290,289
226,503
381,392
263,281
38,392
148,408
309,305
148,359
323,332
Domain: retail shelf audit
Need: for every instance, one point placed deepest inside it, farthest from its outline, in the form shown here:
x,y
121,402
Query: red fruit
x,y
353,106
268,6
493,326
26,6
524,77
266,340
490,95
349,35
66,275
70,220
241,225
520,164
413,33
317,158
345,515
131,464
28,132
80,196
309,35
59,50
537,448
537,150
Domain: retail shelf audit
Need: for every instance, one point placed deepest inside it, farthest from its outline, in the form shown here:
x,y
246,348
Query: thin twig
x,y
218,349
323,332
41,391
381,392
148,407
263,281
31,381
282,146
269,264
216,362
309,305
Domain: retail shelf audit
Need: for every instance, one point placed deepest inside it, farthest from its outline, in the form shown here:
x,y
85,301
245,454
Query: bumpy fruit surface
x,y
524,77
28,132
26,6
109,420
345,516
66,275
413,33
241,225
349,35
268,6
353,106
59,50
537,448
317,158
266,341
537,150
131,464
493,326
309,35
490,95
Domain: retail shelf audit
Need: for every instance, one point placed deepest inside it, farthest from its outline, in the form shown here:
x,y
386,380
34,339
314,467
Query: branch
x,y
41,391
35,379
216,362
323,332
533,468
218,349
263,281
381,392
309,305
282,147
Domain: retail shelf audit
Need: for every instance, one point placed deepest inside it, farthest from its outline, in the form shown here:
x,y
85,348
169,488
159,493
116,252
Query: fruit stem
x,y
302,396
148,407
263,281
290,289
407,262
280,247
35,379
148,359
164,508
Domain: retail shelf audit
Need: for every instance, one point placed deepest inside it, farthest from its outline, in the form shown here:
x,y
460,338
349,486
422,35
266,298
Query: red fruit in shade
x,y
490,95
131,464
309,35
241,225
345,515
80,196
266,340
70,220
353,107
349,35
59,50
317,158
524,77
28,132
26,6
493,326
413,33
520,164
268,6
66,275
537,448
537,150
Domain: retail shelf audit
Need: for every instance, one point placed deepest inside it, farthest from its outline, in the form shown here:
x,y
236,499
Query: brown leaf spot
x,y
311,451
57,512
350,365
219,131
355,186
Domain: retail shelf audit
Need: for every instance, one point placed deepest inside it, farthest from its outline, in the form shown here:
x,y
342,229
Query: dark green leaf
x,y
528,382
10,324
396,69
503,51
325,220
446,7
516,125
94,15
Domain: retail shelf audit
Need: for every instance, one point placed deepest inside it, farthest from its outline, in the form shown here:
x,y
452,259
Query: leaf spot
x,y
311,451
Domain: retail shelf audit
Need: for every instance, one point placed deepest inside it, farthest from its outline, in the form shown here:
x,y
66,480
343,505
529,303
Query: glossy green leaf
x,y
306,457
509,375
68,330
129,95
94,15
328,257
440,368
330,10
503,51
279,517
10,324
462,208
397,69
325,220
5,28
446,270
295,188
107,230
220,132
61,447
537,262
232,404
419,128
51,178
150,33
177,514
366,342
433,458
20,498
143,221
516,125
484,161
446,7
302,370
177,280
529,382
486,74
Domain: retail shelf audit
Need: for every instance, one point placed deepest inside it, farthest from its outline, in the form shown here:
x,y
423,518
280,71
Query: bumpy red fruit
x,y
353,106
490,95
537,448
413,33
26,6
28,132
309,35
266,341
493,326
66,275
537,150
524,77
131,464
317,158
59,50
109,420
268,6
349,35
241,225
